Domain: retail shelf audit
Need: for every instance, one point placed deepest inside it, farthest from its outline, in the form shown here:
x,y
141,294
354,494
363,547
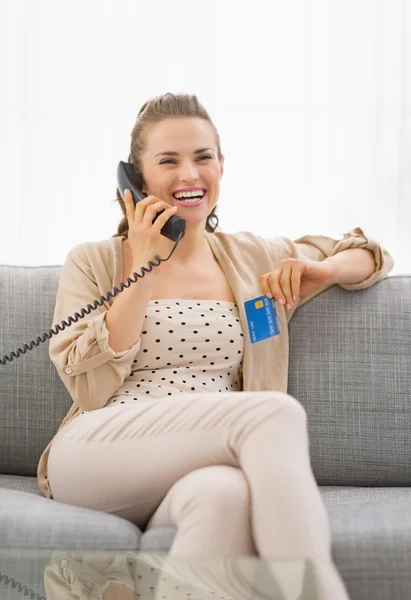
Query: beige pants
x,y
230,470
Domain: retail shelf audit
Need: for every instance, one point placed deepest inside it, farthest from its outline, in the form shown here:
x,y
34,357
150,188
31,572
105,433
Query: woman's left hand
x,y
294,277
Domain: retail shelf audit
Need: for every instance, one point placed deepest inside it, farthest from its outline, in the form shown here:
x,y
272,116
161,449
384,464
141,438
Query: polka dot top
x,y
187,346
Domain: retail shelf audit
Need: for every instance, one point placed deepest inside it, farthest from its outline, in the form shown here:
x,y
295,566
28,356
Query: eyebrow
x,y
176,153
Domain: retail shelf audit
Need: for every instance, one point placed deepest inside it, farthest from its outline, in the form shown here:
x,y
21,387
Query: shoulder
x,y
91,252
97,261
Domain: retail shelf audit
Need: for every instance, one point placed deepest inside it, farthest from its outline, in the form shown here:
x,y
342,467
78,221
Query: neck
x,y
192,249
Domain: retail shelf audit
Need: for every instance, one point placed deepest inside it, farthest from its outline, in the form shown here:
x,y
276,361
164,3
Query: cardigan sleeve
x,y
90,370
320,247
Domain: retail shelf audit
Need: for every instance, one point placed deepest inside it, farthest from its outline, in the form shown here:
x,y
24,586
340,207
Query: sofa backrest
x,y
350,367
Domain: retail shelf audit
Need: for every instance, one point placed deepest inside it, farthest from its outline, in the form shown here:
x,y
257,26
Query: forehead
x,y
179,134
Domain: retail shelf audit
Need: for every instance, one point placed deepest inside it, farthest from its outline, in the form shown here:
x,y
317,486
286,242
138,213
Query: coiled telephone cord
x,y
22,589
86,311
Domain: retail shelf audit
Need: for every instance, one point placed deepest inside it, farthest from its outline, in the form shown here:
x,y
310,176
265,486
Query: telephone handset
x,y
174,229
128,178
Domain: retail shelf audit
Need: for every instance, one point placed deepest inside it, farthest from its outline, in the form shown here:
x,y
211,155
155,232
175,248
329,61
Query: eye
x,y
170,159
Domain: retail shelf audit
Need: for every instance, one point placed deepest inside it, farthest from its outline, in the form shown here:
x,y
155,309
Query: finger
x,y
270,285
152,210
164,216
265,288
129,206
285,283
295,282
290,283
277,283
141,206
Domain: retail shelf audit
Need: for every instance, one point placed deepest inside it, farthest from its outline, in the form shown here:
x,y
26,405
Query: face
x,y
164,175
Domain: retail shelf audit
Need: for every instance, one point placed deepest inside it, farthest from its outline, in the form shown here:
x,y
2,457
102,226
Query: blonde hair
x,y
154,110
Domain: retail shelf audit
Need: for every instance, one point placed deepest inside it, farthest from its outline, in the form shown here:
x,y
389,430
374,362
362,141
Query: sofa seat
x,y
365,522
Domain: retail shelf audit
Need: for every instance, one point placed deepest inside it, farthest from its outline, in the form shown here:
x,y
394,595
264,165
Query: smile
x,y
189,202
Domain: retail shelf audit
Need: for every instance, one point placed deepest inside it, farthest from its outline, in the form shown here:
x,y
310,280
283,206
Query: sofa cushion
x,y
371,533
31,521
20,483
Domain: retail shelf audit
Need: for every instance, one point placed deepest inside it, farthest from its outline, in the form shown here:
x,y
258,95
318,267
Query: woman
x,y
179,417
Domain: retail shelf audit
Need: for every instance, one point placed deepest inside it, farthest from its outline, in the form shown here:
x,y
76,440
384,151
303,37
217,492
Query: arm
x,y
319,247
91,370
350,274
351,266
125,318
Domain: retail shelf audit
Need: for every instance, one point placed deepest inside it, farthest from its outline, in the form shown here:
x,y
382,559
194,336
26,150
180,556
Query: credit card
x,y
262,318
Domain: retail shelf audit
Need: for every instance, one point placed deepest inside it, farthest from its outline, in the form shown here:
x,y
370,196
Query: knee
x,y
223,487
291,405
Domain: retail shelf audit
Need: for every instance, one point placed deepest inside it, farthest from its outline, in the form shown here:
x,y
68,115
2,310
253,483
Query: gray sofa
x,y
350,367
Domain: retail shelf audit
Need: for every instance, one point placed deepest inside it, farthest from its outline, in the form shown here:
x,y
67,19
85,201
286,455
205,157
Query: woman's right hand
x,y
144,237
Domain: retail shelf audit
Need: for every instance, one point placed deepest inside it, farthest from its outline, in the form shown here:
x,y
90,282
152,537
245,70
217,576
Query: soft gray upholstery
x,y
350,367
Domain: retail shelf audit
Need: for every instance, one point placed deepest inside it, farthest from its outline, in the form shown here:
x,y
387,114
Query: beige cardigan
x,y
92,372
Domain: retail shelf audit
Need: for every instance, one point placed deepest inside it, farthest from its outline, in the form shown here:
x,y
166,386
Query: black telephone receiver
x,y
174,229
128,178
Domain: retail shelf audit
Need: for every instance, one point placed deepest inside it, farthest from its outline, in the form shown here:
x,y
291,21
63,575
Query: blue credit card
x,y
262,318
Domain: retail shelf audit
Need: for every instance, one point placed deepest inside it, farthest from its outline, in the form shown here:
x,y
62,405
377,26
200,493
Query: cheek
x,y
216,175
161,182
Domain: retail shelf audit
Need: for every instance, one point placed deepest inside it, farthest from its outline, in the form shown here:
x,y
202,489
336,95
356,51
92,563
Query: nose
x,y
188,173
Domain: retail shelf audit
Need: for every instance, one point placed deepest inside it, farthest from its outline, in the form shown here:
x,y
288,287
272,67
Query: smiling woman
x,y
169,374
176,149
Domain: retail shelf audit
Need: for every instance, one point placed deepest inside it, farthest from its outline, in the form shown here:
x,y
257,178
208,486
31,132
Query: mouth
x,y
190,202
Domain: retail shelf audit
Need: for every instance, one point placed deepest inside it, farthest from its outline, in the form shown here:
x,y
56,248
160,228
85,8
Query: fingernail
x,y
269,295
281,301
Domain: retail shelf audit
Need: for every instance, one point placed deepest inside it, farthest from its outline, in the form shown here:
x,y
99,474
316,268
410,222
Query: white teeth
x,y
189,201
182,195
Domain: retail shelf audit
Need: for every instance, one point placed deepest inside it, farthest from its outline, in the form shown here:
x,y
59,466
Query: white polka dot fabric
x,y
186,346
